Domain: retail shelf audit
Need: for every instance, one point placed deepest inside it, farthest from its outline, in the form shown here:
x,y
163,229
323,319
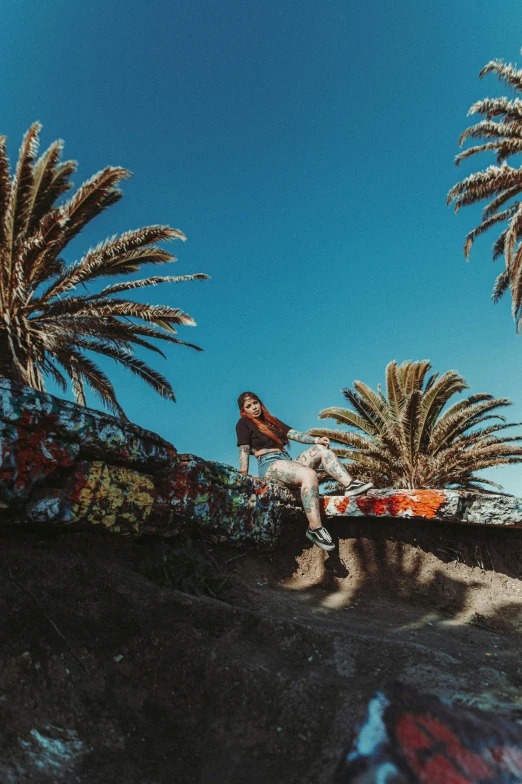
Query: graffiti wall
x,y
416,738
68,466
453,506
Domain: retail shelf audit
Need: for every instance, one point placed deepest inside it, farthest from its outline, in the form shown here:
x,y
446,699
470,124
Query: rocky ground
x,y
108,676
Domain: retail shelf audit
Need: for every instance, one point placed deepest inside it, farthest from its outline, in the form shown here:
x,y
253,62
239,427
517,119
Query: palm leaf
x,y
45,319
19,209
432,445
343,416
394,389
505,72
81,367
116,288
5,189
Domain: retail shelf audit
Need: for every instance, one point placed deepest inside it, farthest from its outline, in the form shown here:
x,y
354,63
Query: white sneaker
x,y
357,488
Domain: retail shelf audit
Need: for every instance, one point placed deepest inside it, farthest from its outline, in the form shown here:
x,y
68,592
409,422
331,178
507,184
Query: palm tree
x,y
405,439
500,131
48,327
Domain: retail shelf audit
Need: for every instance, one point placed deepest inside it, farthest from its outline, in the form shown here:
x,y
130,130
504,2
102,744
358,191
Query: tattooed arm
x,y
304,438
244,458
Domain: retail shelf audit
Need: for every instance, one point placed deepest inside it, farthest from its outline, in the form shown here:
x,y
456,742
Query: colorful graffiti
x,y
394,503
455,506
412,737
200,498
64,465
225,505
118,498
27,458
99,435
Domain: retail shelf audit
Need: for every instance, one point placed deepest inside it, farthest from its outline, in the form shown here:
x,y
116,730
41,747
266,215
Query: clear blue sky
x,y
306,150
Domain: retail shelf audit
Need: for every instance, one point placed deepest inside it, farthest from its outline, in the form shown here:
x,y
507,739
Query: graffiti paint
x,y
457,506
412,737
65,465
119,498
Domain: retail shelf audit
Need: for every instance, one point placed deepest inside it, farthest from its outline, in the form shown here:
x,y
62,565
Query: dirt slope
x,y
105,676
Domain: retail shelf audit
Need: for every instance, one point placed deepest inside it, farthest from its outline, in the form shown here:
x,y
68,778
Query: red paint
x,y
37,455
418,503
81,476
451,762
373,506
439,769
341,504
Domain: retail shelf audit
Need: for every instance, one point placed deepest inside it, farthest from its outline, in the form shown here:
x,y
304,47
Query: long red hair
x,y
267,423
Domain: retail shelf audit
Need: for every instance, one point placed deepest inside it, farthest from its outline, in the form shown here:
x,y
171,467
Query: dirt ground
x,y
107,677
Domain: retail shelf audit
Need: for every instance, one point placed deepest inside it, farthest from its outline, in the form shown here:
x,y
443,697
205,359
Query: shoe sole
x,y
359,491
322,546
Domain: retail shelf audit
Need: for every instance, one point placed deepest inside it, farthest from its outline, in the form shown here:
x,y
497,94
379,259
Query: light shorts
x,y
265,461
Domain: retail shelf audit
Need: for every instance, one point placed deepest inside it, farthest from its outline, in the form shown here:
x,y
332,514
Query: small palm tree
x,y
46,325
405,439
500,132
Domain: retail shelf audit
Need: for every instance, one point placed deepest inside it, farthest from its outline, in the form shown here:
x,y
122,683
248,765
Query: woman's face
x,y
252,407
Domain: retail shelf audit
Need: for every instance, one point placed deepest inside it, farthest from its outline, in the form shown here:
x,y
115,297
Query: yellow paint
x,y
107,490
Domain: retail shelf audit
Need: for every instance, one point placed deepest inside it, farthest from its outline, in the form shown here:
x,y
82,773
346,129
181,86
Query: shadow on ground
x,y
463,572
106,676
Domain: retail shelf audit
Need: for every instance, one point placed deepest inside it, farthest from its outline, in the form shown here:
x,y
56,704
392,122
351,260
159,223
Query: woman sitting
x,y
265,436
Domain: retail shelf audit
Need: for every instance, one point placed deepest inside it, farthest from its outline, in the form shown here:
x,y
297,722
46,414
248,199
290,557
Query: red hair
x,y
268,424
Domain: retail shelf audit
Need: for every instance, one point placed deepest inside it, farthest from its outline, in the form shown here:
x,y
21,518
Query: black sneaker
x,y
357,488
321,538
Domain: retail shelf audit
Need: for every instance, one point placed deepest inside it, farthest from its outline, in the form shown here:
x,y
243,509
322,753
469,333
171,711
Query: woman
x,y
260,433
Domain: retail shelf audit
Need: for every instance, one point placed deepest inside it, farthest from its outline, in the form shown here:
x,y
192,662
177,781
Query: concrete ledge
x,y
448,506
66,466
29,418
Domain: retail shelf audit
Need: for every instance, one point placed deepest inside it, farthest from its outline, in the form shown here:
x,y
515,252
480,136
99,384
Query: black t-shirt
x,y
248,434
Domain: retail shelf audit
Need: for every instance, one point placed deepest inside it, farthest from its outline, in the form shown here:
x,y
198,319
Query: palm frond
x,y
117,256
19,209
483,185
500,132
5,189
51,180
81,368
430,445
343,416
434,400
394,389
414,374
45,318
487,224
510,111
410,414
506,72
116,288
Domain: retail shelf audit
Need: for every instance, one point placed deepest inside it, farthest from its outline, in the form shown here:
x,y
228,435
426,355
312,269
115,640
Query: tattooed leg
x,y
321,455
310,499
294,473
287,471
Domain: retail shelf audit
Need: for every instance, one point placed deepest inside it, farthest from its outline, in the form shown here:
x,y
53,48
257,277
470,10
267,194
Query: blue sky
x,y
306,150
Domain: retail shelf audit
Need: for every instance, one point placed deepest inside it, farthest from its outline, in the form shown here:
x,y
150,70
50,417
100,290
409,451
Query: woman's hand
x,y
324,441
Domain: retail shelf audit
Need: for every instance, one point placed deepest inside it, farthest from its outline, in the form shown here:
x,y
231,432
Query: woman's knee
x,y
324,453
